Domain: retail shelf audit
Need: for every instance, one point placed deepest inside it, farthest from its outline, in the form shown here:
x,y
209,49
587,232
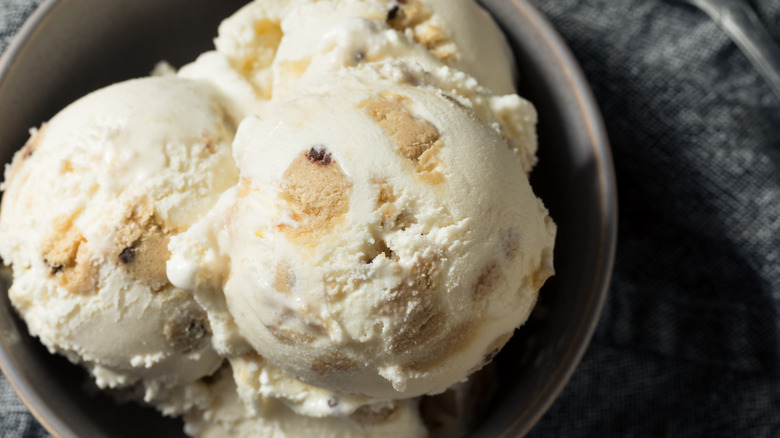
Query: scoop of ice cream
x,y
258,380
318,37
226,416
463,35
270,44
458,32
89,206
354,41
383,239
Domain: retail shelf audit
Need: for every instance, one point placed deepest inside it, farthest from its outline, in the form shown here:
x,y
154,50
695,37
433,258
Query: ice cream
x,y
264,48
89,205
268,49
257,380
383,240
226,415
369,234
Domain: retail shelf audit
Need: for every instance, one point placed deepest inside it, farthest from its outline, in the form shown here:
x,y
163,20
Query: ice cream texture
x,y
366,235
383,239
89,205
265,47
225,414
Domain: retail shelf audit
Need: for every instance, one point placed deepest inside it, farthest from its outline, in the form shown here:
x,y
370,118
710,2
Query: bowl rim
x,y
23,388
608,217
608,207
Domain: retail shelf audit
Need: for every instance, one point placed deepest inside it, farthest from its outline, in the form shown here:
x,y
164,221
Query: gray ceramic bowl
x,y
70,47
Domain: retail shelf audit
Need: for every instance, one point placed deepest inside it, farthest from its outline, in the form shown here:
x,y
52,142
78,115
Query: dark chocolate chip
x,y
186,333
393,13
490,356
196,330
54,269
127,255
319,155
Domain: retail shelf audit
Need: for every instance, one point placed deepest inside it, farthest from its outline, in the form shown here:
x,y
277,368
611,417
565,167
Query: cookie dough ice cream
x,y
225,414
367,236
383,239
88,208
263,49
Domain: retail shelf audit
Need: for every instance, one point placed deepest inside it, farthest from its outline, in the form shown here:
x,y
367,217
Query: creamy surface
x,y
263,49
258,380
88,207
366,251
225,415
367,236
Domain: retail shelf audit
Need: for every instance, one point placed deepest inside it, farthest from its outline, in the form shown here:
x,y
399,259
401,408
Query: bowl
x,y
71,47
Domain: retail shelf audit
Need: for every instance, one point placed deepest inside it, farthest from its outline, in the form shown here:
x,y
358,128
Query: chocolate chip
x,y
333,402
319,155
196,330
55,269
187,332
127,255
393,13
490,356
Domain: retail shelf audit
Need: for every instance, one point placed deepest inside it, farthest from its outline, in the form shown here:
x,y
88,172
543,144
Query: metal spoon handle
x,y
740,22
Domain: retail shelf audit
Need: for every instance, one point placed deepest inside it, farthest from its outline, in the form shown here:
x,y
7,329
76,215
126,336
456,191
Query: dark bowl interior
x,y
71,47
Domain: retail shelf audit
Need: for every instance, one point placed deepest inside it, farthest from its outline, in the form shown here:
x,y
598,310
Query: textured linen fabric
x,y
688,343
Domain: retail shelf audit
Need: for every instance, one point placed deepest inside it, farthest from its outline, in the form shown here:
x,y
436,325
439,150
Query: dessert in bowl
x,y
573,178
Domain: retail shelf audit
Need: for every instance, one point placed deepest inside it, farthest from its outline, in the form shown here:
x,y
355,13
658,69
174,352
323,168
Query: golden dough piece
x,y
142,245
317,191
414,16
69,258
412,136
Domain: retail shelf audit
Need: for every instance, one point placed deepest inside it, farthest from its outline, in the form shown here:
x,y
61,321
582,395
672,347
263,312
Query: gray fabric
x,y
688,343
15,420
12,16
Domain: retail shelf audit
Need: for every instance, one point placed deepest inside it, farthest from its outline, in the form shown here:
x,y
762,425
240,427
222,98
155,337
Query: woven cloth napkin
x,y
688,344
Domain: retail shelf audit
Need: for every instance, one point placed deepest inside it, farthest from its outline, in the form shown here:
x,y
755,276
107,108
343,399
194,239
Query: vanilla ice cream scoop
x,y
223,414
264,48
89,205
383,239
457,32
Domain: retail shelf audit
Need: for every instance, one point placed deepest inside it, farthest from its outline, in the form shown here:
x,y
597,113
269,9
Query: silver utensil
x,y
739,21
